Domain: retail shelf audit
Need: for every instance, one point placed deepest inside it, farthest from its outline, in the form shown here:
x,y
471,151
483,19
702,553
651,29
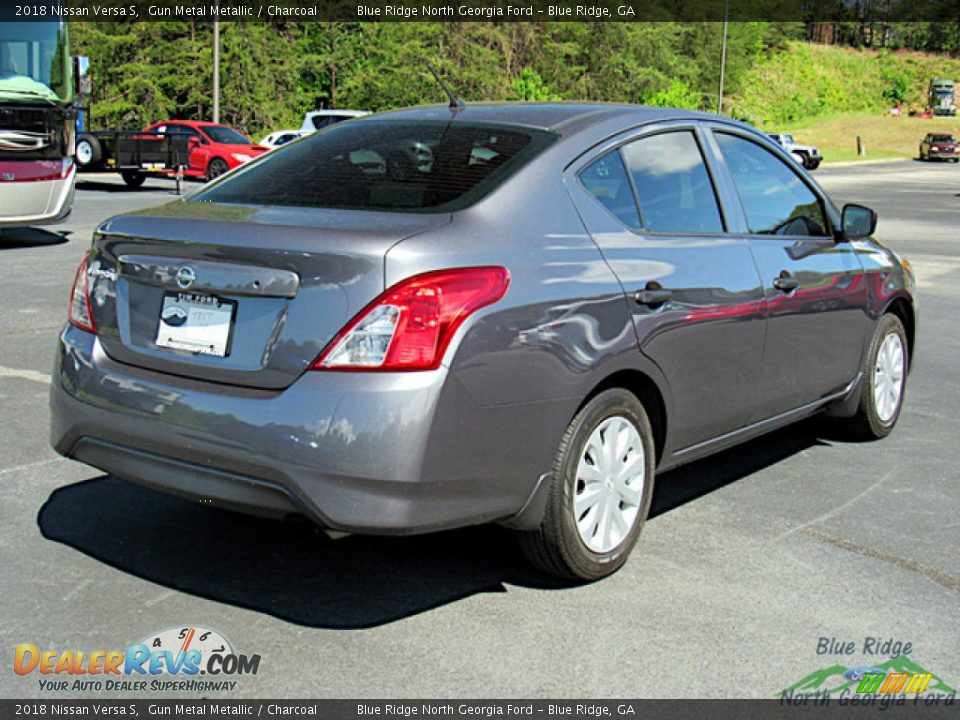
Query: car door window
x,y
184,130
775,200
606,179
672,184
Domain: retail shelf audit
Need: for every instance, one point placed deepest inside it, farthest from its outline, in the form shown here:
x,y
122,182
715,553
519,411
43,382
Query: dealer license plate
x,y
196,323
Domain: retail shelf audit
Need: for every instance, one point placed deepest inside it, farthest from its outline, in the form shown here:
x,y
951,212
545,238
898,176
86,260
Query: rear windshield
x,y
398,165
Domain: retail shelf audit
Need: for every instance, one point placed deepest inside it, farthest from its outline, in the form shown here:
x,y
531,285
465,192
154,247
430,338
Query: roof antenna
x,y
456,104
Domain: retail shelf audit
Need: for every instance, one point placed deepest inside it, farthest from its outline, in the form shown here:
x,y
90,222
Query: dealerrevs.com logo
x,y
184,659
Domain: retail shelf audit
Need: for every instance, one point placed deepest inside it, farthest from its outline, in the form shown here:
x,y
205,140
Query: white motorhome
x,y
38,113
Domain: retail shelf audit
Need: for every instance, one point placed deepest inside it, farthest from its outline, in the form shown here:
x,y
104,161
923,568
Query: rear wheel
x,y
800,158
133,178
600,490
216,168
885,377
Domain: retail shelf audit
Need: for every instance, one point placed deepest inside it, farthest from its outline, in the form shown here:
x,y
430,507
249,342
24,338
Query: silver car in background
x,y
566,299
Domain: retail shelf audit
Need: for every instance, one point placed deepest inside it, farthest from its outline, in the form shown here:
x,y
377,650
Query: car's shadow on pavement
x,y
295,572
26,237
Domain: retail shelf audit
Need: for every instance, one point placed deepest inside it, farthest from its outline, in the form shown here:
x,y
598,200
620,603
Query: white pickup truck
x,y
806,155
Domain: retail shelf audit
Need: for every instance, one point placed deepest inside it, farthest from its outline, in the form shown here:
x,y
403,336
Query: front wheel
x,y
216,168
885,377
600,492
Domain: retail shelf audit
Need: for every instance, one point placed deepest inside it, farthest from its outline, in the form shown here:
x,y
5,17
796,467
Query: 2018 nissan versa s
x,y
514,313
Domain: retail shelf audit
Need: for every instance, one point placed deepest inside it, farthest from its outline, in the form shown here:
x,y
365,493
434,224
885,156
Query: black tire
x,y
216,168
867,423
133,178
556,547
812,164
88,152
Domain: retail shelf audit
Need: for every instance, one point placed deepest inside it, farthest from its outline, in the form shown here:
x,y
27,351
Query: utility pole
x,y
216,69
723,55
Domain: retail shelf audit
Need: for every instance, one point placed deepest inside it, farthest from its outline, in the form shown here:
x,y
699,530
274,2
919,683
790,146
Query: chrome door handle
x,y
653,297
786,282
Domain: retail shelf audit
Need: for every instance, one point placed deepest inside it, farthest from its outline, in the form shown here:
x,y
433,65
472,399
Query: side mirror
x,y
81,74
194,142
858,222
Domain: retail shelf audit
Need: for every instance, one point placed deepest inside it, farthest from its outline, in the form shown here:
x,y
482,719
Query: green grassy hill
x,y
884,136
808,81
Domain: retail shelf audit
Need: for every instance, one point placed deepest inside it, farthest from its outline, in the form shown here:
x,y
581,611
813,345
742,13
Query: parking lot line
x,y
33,375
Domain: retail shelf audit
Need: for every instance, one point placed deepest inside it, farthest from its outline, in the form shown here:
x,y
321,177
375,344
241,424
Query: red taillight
x,y
411,324
80,311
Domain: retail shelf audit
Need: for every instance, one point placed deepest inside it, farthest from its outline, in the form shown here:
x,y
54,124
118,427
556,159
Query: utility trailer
x,y
135,154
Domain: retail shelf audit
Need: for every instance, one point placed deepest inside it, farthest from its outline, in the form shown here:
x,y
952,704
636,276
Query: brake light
x,y
80,311
411,324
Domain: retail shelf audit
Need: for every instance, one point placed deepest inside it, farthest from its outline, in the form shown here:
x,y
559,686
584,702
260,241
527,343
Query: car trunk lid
x,y
249,295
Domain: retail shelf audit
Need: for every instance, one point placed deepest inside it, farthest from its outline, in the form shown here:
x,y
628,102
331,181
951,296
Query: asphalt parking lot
x,y
750,559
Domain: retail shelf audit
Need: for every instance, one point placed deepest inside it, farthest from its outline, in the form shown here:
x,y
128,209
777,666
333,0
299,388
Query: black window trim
x,y
648,131
772,149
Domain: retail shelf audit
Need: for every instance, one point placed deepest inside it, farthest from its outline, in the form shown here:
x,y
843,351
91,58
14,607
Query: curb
x,y
855,163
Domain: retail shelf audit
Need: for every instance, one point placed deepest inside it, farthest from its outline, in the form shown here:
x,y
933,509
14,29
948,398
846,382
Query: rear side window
x,y
775,200
606,179
322,121
393,165
672,184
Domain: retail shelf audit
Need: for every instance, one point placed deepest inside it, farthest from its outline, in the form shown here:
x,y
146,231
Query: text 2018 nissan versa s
x,y
511,313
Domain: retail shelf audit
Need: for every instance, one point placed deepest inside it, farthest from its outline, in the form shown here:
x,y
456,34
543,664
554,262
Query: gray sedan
x,y
438,317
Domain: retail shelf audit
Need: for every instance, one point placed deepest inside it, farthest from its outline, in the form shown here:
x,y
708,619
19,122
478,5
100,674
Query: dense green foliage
x,y
271,73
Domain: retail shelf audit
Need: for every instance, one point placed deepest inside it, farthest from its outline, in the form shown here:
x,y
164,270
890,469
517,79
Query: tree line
x,y
271,73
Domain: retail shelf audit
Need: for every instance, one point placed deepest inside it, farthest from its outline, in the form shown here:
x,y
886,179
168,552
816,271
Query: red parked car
x,y
214,149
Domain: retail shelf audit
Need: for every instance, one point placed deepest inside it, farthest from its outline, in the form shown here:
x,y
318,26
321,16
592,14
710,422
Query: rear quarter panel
x,y
521,368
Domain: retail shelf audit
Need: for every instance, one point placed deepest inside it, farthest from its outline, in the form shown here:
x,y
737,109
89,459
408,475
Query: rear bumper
x,y
367,452
39,202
